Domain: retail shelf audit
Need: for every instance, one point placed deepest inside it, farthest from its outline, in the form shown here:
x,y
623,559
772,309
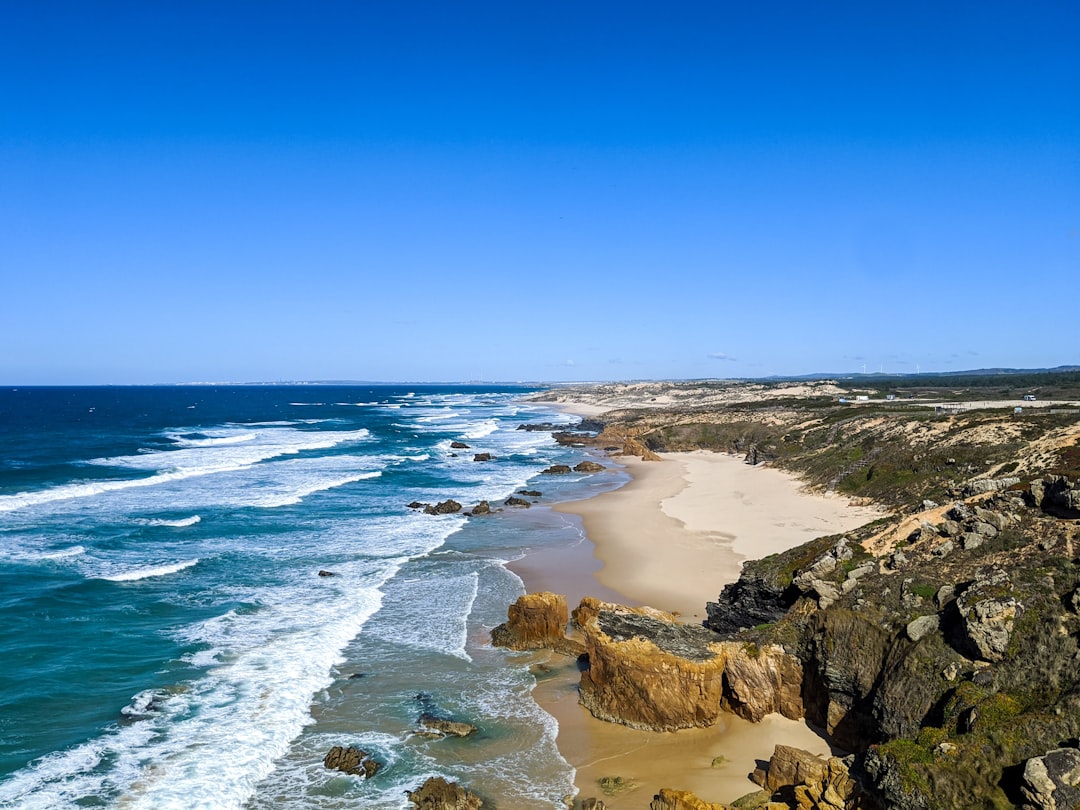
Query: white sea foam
x,y
146,573
56,554
416,625
208,744
169,466
215,441
298,494
175,524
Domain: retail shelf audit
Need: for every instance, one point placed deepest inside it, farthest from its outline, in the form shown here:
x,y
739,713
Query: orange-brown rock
x,y
761,680
535,621
811,782
636,447
648,671
681,800
438,794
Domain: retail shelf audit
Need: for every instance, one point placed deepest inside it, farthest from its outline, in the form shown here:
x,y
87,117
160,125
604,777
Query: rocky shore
x,y
938,645
935,646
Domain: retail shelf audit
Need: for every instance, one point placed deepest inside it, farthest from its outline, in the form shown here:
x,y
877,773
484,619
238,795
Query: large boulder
x,y
432,724
1052,781
988,612
668,799
352,761
985,485
648,671
447,507
588,467
557,469
813,782
438,794
535,621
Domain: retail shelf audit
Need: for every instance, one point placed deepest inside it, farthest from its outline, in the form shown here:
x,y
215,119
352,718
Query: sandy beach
x,y
672,538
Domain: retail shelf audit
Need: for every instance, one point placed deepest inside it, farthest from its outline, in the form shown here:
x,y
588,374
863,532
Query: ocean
x,y
167,640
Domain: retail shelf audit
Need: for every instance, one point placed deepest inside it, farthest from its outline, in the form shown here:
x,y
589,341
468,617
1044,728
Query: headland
x,y
868,581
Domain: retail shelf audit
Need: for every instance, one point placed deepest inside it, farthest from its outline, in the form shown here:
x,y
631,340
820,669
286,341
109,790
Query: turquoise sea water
x,y
166,640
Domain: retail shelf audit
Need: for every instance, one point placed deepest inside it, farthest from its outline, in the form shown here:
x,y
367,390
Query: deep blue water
x,y
166,640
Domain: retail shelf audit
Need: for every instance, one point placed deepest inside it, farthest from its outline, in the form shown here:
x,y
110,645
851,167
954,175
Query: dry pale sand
x,y
672,538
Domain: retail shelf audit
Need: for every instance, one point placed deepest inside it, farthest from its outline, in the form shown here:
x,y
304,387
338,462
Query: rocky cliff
x,y
949,661
646,670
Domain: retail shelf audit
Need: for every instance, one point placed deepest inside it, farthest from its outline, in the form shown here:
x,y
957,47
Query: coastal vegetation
x,y
939,644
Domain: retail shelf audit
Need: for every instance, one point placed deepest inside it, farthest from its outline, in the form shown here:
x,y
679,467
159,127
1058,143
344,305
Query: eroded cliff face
x,y
760,680
648,671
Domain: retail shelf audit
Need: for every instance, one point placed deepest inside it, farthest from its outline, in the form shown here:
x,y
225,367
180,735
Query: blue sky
x,y
541,191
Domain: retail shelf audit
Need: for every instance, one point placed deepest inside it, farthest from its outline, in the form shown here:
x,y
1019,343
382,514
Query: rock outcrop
x,y
646,670
438,794
588,467
483,457
433,725
760,680
988,611
668,799
352,761
447,507
812,783
557,469
535,621
1052,781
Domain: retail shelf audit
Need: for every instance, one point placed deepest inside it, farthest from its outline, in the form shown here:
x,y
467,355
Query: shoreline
x,y
671,538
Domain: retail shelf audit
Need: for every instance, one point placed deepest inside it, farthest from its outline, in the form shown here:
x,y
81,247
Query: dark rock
x,y
483,457
326,573
441,726
352,761
482,508
557,469
756,454
459,446
418,505
541,427
754,598
438,794
515,501
959,512
530,493
588,467
1072,601
447,507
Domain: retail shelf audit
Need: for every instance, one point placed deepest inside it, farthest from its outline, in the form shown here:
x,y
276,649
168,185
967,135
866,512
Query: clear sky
x,y
401,190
